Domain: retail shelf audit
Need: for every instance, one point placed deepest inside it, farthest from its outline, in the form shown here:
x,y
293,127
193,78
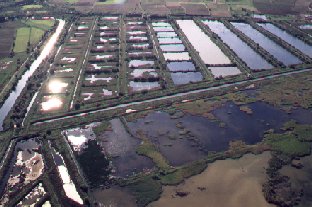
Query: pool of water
x,y
181,66
306,26
140,86
270,46
141,63
121,147
137,73
172,48
176,56
195,136
184,78
208,51
163,29
161,24
284,35
68,185
247,54
224,71
174,40
50,103
166,34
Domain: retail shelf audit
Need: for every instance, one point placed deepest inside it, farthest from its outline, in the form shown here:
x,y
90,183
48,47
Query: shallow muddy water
x,y
232,183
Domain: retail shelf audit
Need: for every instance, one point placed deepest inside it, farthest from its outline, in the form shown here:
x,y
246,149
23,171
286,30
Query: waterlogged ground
x,y
176,136
234,183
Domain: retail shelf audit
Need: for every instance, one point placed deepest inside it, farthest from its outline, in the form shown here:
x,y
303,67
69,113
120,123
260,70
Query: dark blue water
x,y
207,135
246,53
184,78
182,66
269,45
294,41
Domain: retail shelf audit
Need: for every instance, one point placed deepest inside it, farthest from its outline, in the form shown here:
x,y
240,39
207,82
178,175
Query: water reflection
x,y
56,86
270,46
247,54
209,52
294,41
51,103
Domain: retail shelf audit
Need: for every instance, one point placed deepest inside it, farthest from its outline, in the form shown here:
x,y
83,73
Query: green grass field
x,y
287,144
31,6
40,24
22,38
32,32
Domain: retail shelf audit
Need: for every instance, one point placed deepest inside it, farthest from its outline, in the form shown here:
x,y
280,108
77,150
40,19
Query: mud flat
x,y
234,183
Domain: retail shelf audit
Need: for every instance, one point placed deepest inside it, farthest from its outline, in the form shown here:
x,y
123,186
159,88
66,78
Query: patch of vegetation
x,y
246,109
22,38
288,144
302,132
145,189
290,91
31,6
204,107
35,35
148,149
277,189
178,175
40,24
101,128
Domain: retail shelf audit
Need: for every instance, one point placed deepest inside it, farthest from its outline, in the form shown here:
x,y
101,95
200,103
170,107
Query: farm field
x,y
17,39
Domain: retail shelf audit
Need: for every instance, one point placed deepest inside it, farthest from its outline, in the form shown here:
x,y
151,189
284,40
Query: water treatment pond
x,y
208,51
294,41
184,78
247,54
172,48
270,46
197,135
181,66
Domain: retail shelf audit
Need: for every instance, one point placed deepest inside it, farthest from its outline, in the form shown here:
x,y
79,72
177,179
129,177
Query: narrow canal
x,y
9,102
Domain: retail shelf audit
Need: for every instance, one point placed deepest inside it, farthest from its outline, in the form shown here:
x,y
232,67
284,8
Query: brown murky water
x,y
230,183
